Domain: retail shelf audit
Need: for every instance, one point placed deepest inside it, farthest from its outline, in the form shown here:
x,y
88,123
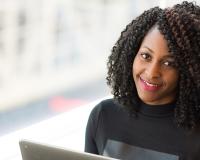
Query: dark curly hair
x,y
180,26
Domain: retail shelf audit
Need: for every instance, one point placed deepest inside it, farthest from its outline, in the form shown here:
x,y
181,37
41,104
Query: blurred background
x,y
53,54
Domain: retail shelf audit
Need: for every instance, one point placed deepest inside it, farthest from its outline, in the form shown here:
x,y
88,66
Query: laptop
x,y
36,151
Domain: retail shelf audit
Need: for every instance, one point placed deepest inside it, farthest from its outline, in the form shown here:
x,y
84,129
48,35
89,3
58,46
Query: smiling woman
x,y
154,75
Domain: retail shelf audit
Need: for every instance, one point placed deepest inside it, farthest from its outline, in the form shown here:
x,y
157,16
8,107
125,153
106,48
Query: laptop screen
x,y
36,151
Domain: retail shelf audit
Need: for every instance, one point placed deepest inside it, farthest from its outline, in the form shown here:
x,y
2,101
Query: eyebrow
x,y
148,49
166,56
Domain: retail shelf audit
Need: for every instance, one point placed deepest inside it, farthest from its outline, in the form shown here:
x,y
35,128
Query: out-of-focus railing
x,y
65,130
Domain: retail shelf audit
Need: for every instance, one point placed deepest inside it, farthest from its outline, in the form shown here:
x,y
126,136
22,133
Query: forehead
x,y
155,41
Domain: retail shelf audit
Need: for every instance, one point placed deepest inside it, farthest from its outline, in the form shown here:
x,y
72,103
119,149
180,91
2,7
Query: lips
x,y
149,86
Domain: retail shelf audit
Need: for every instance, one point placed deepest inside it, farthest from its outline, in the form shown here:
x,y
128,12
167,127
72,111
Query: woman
x,y
154,74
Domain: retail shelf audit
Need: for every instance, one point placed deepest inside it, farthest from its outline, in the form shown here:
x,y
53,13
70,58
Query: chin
x,y
149,100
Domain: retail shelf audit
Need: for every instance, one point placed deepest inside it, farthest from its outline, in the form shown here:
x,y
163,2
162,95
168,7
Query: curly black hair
x,y
180,25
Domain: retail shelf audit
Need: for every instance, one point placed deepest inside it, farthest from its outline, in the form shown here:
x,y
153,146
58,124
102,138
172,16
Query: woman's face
x,y
154,73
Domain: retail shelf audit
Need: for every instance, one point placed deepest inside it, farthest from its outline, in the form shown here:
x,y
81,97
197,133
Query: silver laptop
x,y
36,151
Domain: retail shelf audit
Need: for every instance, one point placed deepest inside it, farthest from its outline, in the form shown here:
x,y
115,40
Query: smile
x,y
150,86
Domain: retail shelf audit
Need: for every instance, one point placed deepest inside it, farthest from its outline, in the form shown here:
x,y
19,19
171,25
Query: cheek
x,y
172,79
135,66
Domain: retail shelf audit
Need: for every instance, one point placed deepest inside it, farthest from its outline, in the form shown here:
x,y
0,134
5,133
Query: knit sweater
x,y
151,135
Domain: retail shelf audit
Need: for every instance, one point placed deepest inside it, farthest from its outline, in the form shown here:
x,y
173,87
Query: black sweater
x,y
152,135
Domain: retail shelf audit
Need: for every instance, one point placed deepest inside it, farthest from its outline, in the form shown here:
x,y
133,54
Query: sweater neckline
x,y
157,110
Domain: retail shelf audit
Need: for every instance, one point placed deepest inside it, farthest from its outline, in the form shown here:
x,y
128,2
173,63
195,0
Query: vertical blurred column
x,y
2,43
9,11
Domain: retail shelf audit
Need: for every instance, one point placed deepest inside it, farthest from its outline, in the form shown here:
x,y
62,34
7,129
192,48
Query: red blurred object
x,y
62,104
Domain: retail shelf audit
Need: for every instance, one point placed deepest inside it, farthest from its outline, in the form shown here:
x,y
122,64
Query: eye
x,y
145,56
169,64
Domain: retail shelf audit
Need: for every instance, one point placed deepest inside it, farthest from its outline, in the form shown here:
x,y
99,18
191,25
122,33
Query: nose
x,y
153,70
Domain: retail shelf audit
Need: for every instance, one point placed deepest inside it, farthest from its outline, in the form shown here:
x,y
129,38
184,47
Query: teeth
x,y
152,85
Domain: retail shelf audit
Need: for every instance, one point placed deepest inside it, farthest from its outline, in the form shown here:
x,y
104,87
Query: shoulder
x,y
107,106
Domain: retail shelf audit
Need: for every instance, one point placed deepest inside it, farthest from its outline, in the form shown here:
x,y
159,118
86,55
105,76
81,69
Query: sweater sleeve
x,y
92,125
